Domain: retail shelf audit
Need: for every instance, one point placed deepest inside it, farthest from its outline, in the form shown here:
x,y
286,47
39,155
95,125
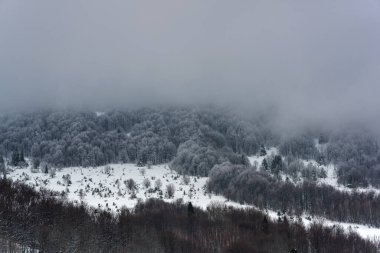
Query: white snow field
x,y
105,187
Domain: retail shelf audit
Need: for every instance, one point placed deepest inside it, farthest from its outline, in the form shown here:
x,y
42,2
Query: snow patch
x,y
257,160
98,114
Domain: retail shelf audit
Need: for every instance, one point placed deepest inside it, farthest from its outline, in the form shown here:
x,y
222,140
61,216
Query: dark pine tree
x,y
276,165
265,164
190,209
263,152
2,167
265,225
15,159
22,157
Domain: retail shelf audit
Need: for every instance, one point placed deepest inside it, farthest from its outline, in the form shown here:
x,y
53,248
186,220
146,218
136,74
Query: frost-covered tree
x,y
263,152
131,184
185,179
146,183
277,165
300,146
68,138
264,165
3,169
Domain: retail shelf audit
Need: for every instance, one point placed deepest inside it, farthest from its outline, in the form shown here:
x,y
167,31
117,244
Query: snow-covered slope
x,y
105,187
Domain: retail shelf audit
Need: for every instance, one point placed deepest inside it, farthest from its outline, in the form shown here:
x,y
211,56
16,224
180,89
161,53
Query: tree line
x,y
192,139
71,138
246,184
354,150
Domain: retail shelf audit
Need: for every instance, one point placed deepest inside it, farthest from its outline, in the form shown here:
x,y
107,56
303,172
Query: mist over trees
x,y
354,150
191,139
302,78
141,136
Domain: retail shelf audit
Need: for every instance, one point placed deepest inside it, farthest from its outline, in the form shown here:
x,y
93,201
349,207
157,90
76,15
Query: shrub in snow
x,y
146,183
67,179
131,184
26,176
186,179
170,190
34,170
44,167
117,182
52,172
143,172
322,173
107,170
81,194
158,184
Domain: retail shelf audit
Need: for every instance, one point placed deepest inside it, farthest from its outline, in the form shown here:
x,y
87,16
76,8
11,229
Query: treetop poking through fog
x,y
318,59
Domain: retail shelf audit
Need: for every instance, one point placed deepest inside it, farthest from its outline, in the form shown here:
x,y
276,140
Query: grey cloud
x,y
312,60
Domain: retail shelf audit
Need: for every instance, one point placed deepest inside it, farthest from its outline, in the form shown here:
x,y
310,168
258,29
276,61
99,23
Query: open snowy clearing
x,y
106,187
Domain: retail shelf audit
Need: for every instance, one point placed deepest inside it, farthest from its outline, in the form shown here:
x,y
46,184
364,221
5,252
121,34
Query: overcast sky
x,y
310,59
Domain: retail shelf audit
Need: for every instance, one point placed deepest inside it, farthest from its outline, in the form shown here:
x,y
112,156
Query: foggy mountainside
x,y
195,141
192,139
146,135
190,126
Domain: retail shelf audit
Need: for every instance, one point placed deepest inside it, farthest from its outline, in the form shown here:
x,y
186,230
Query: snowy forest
x,y
192,139
209,142
190,126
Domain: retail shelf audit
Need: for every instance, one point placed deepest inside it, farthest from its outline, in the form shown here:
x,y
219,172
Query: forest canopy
x,y
192,139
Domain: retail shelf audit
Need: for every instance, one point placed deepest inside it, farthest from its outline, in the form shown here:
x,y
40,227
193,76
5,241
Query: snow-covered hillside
x,y
106,187
330,169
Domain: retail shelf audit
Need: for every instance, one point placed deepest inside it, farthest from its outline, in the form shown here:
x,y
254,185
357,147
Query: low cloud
x,y
315,60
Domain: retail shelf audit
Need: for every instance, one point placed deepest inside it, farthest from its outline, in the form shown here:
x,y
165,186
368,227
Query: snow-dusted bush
x,y
186,179
52,172
170,190
158,184
131,184
34,170
146,183
67,179
107,170
45,167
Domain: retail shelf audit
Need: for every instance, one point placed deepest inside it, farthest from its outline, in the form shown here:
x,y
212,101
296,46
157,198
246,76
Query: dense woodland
x,y
354,150
38,220
192,139
247,185
209,142
69,138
